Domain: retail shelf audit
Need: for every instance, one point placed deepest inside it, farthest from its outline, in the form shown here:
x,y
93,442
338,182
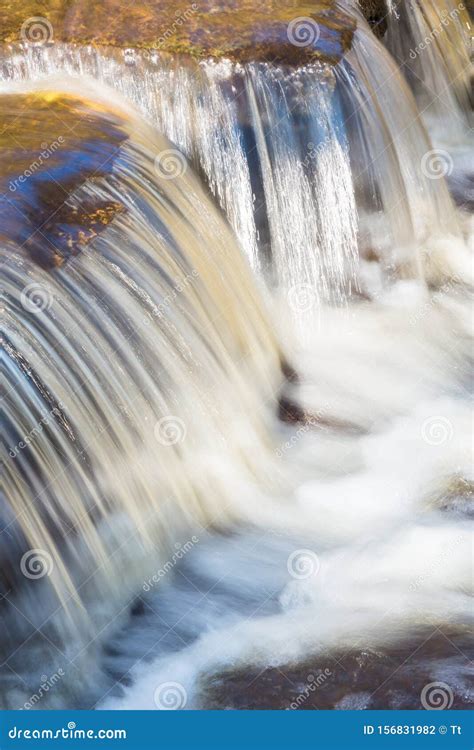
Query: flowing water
x,y
188,520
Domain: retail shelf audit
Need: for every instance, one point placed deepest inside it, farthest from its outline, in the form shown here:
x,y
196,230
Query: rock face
x,y
51,144
260,30
421,672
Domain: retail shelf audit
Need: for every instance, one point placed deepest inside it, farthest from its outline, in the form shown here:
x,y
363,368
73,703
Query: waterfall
x,y
433,43
189,250
126,364
314,167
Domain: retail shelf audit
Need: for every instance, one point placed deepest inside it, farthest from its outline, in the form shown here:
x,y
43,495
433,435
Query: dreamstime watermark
x,y
437,696
446,19
438,295
302,564
36,564
47,683
170,164
436,565
160,310
182,17
47,150
303,31
170,696
436,164
70,732
437,430
314,682
302,297
315,151
309,423
170,430
36,30
35,298
181,551
35,431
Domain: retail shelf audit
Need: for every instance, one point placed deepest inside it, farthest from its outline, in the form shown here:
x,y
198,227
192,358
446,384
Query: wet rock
x,y
393,677
241,30
51,145
375,12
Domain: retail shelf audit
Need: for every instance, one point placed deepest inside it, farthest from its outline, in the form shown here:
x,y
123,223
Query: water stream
x,y
238,358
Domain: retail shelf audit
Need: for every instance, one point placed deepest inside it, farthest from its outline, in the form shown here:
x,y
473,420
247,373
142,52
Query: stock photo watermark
x,y
30,437
37,30
181,552
47,150
303,31
446,19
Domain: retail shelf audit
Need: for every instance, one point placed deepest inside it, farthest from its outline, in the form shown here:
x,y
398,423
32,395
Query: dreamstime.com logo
x,y
71,732
47,150
446,19
170,164
181,550
303,31
437,696
29,438
35,298
36,563
437,431
303,563
314,682
36,30
170,696
302,298
170,430
436,164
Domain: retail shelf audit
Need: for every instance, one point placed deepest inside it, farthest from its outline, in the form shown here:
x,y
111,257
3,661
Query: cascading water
x,y
345,561
433,41
151,336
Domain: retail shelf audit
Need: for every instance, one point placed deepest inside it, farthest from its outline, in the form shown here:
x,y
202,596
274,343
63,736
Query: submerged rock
x,y
414,674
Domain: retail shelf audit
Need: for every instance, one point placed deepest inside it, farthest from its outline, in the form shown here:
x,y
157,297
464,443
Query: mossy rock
x,y
241,30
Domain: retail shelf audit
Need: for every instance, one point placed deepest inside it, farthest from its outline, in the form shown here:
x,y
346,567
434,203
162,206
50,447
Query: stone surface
x,y
51,144
366,678
263,30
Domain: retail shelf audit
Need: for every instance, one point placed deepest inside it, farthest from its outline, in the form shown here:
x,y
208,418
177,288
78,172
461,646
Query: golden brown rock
x,y
237,29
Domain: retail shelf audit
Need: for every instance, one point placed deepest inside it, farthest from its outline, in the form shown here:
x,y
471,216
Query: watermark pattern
x,y
170,164
436,164
47,150
170,430
310,422
437,696
35,298
170,696
303,563
160,310
315,151
446,19
36,30
303,31
437,431
37,430
47,683
302,297
438,295
181,551
70,732
36,564
437,564
181,19
314,682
